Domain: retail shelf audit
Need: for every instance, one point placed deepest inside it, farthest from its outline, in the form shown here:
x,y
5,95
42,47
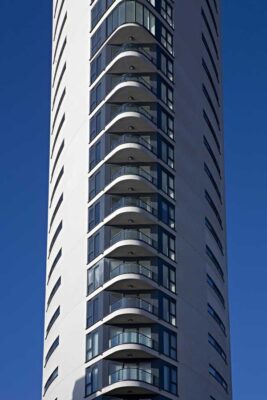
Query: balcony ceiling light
x,y
131,221
131,128
131,189
132,68
130,158
130,98
131,38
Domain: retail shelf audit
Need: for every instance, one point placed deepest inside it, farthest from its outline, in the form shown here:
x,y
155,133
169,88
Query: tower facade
x,y
136,282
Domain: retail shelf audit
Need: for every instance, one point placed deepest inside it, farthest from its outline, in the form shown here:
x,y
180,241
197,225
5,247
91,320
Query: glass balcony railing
x,y
133,338
128,138
133,302
133,202
133,170
133,374
133,78
132,234
132,47
130,107
132,268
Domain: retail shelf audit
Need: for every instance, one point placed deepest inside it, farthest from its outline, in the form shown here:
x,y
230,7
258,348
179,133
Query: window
x,y
94,215
205,19
60,201
51,379
96,67
214,234
215,289
54,238
170,344
211,130
166,66
56,185
212,17
92,380
53,292
93,247
95,154
213,182
60,126
54,264
216,375
167,183
167,153
96,96
96,123
206,143
52,321
167,123
209,76
167,95
204,40
217,319
95,185
170,379
169,311
166,39
217,347
58,108
92,345
94,278
57,159
214,208
167,12
168,245
168,277
167,213
214,261
52,349
93,314
207,95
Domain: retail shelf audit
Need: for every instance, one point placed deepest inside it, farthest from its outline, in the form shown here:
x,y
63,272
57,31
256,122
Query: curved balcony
x,y
138,149
132,275
132,311
133,374
134,302
133,179
132,243
130,116
135,88
132,344
132,56
130,210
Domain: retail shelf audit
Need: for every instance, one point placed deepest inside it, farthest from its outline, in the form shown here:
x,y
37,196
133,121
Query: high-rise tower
x,y
136,288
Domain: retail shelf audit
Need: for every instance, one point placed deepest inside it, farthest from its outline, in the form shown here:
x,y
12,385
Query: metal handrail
x,y
132,268
133,302
132,234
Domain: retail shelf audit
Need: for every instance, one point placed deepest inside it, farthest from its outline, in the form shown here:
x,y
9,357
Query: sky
x,y
24,115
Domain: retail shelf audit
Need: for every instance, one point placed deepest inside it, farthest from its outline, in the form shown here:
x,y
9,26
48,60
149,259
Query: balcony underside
x,y
131,316
131,282
131,33
130,184
130,351
130,61
131,91
131,121
131,153
131,216
130,249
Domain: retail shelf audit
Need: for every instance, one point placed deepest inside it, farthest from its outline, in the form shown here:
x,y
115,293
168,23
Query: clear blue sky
x,y
24,110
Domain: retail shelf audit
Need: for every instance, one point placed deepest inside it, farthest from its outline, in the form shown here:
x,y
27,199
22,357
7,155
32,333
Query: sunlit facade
x,y
136,296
